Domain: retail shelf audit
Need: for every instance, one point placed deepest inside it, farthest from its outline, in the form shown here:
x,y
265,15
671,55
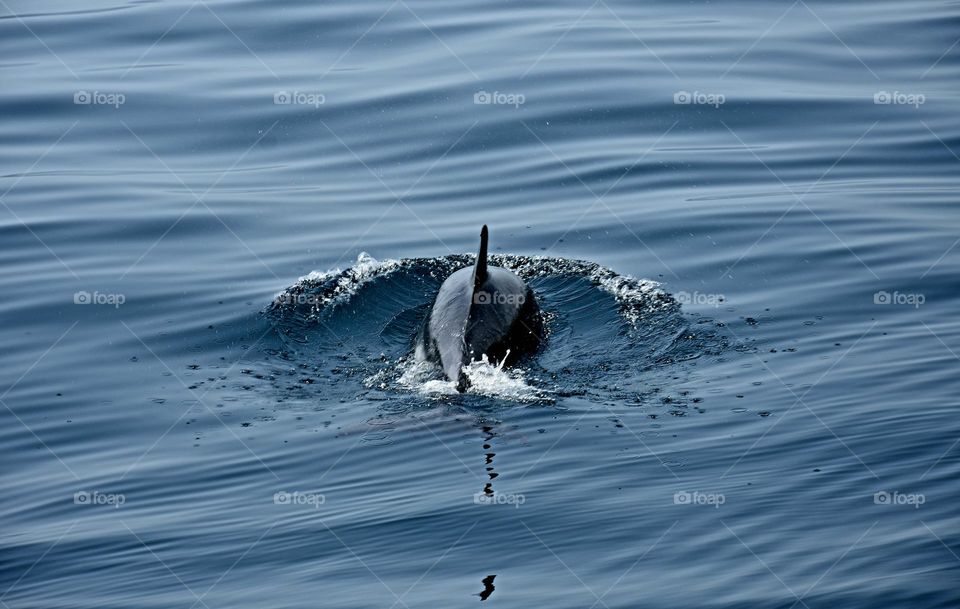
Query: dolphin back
x,y
480,310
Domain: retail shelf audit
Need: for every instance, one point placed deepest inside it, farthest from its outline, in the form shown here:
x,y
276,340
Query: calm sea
x,y
740,218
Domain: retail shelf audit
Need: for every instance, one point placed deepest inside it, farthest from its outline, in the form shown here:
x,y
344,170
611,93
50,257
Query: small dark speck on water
x,y
488,587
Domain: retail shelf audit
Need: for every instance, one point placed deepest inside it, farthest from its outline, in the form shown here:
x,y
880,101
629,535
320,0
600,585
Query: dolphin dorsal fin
x,y
480,267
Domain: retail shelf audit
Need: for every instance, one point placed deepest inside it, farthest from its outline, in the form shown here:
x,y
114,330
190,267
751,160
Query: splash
x,y
486,379
609,335
338,286
329,289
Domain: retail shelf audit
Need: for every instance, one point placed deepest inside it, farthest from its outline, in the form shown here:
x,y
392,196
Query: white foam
x,y
626,288
350,281
632,293
426,378
493,381
628,291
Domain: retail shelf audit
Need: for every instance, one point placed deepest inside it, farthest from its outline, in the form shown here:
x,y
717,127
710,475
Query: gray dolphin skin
x,y
480,310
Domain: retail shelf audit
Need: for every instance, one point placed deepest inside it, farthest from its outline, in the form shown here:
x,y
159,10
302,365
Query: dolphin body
x,y
480,310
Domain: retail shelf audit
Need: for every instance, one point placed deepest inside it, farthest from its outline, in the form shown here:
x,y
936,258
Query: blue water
x,y
773,424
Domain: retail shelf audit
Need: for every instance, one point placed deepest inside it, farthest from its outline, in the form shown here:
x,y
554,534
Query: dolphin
x,y
480,310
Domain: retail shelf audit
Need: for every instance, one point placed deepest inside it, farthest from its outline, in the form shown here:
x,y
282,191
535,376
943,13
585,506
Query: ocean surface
x,y
221,222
